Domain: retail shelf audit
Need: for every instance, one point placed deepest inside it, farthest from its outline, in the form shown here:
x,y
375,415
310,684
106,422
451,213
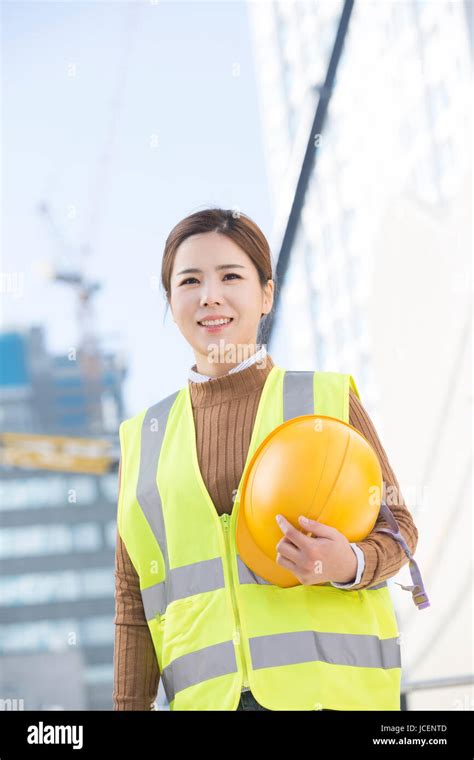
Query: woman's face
x,y
224,283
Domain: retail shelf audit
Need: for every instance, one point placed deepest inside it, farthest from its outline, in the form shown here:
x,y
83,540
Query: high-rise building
x,y
378,273
71,394
58,530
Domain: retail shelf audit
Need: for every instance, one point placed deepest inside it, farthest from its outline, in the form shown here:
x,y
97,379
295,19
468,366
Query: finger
x,y
293,534
317,528
284,562
289,550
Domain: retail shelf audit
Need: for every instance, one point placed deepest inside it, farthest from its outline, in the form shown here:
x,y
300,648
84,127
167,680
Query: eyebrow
x,y
221,266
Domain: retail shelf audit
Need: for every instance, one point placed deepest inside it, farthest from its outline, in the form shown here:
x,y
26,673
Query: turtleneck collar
x,y
257,356
232,385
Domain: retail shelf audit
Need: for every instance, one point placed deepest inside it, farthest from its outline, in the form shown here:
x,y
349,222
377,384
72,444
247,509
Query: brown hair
x,y
235,225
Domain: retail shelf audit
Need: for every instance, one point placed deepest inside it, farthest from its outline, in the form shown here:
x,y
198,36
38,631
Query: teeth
x,y
212,322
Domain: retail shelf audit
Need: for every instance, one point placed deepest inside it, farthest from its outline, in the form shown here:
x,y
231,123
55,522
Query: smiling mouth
x,y
216,326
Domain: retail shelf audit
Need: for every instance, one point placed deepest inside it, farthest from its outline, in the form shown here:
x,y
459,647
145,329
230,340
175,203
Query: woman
x,y
217,276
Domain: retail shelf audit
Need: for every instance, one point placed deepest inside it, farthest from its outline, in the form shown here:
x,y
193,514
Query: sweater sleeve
x,y
384,556
136,671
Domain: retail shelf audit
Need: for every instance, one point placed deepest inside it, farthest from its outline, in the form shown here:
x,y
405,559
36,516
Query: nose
x,y
210,293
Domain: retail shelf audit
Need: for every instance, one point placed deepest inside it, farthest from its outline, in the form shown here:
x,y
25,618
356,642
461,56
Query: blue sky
x,y
124,118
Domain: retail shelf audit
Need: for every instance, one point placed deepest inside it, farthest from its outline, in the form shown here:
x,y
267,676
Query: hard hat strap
x,y
419,594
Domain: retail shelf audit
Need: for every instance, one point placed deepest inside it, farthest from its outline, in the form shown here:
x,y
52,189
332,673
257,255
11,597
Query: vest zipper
x,y
226,522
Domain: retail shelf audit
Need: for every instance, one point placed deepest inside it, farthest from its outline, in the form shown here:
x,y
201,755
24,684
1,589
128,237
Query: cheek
x,y
246,303
184,307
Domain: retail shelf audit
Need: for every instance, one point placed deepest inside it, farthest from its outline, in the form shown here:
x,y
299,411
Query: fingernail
x,y
303,518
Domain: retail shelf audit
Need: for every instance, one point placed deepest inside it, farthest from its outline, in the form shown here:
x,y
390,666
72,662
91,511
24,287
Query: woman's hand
x,y
324,556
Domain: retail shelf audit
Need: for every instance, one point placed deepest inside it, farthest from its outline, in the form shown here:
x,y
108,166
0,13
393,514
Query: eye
x,y
229,274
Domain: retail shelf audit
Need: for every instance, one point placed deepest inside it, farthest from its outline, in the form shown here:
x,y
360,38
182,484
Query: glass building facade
x,y
401,97
377,283
57,532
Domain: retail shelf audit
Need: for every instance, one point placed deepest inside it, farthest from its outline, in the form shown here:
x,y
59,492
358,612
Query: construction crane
x,y
69,453
72,270
84,287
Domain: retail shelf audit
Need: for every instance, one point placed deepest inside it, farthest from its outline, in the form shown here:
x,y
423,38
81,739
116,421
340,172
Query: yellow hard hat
x,y
311,465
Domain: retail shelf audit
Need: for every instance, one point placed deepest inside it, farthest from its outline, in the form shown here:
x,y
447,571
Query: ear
x,y
171,309
269,294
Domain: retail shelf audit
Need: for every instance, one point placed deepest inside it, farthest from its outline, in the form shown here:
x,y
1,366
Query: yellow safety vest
x,y
215,624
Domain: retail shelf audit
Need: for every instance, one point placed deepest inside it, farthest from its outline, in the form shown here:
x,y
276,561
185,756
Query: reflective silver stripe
x,y
246,575
201,665
182,582
298,395
334,648
154,600
196,578
278,650
148,496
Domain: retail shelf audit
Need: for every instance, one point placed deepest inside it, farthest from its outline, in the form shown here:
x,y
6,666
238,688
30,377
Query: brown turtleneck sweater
x,y
224,411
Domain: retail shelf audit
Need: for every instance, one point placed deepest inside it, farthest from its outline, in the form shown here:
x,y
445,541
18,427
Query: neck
x,y
224,358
